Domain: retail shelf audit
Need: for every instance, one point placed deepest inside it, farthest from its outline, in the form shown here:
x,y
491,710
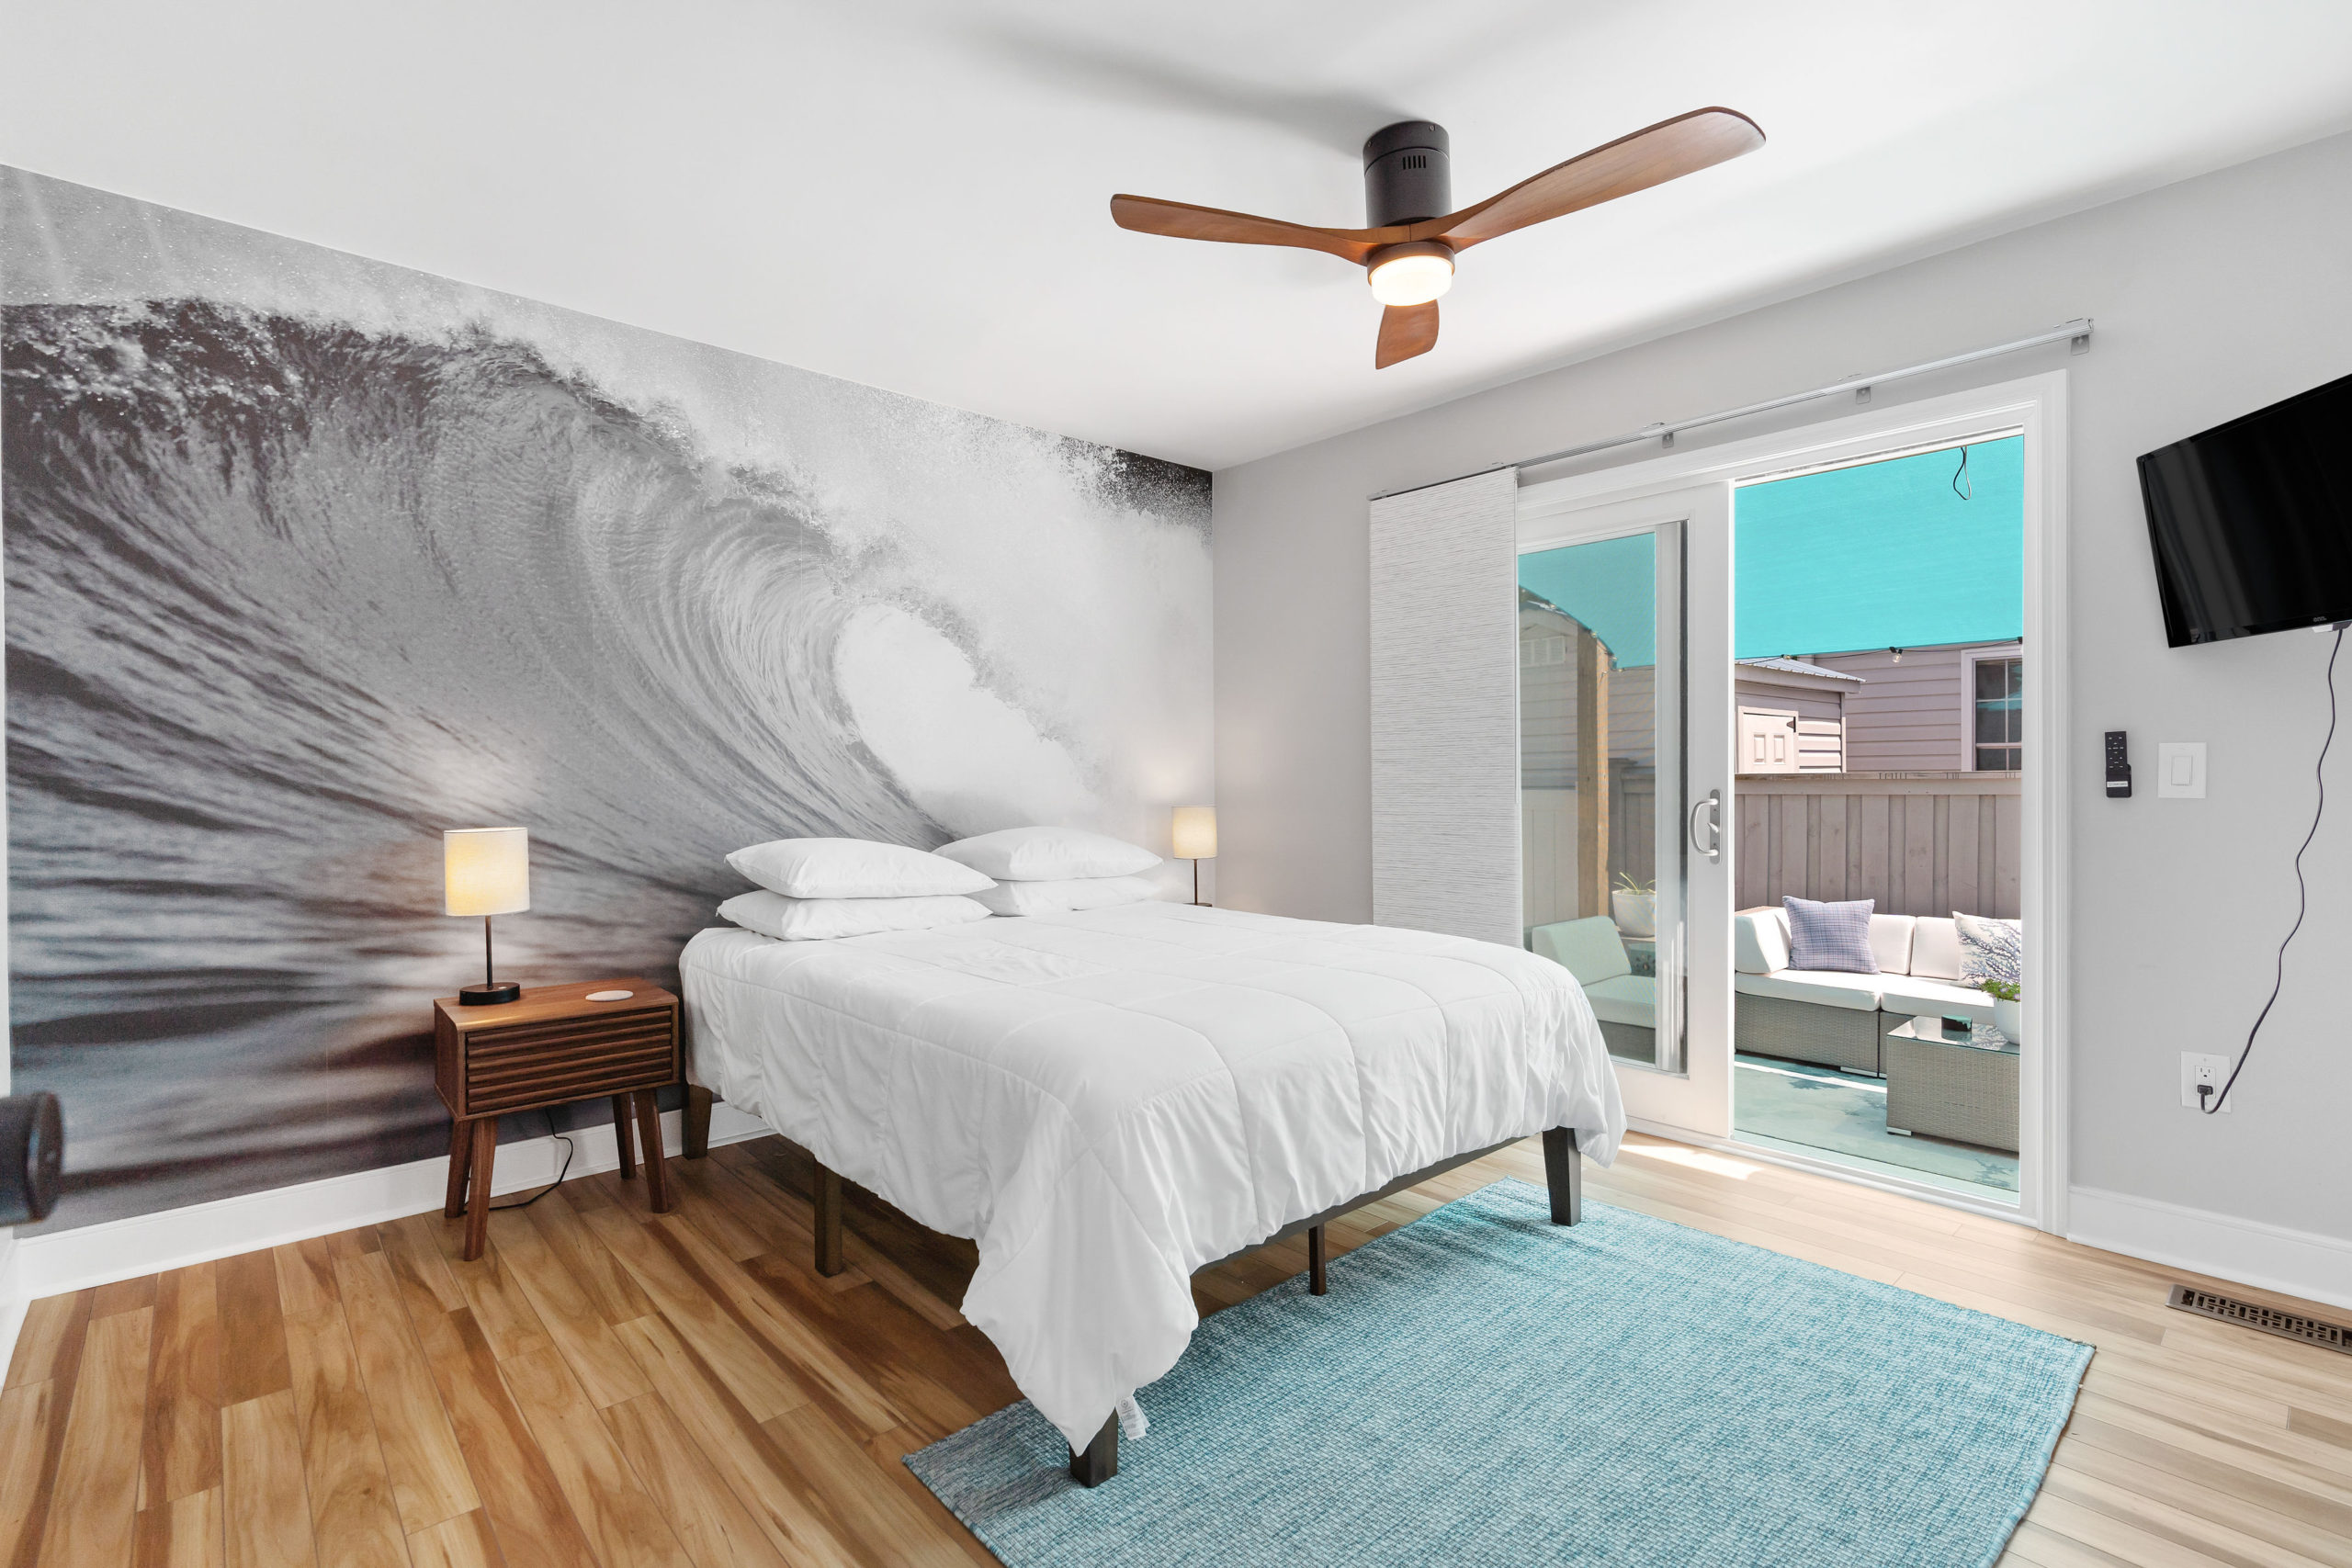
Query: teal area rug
x,y
1823,1109
1482,1387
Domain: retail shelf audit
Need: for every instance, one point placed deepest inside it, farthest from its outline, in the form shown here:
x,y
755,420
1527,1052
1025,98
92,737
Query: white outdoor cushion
x,y
1990,949
1911,994
820,920
1048,854
1935,949
1589,949
1891,943
1760,941
1628,999
1828,987
850,868
1070,892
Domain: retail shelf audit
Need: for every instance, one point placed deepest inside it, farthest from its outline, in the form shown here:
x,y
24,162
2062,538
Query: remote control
x,y
2119,768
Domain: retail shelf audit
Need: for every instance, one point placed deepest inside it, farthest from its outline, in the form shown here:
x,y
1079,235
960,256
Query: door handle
x,y
1713,805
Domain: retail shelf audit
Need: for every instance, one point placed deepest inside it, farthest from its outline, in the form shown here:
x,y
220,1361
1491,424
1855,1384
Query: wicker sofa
x,y
1837,1019
1624,1003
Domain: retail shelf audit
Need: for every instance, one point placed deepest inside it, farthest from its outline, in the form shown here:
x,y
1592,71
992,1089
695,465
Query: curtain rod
x,y
2076,332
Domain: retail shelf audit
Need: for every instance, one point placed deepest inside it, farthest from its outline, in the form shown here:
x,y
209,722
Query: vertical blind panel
x,y
1445,708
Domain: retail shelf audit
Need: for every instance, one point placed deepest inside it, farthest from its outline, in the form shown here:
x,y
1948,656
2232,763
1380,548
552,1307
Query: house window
x,y
2001,715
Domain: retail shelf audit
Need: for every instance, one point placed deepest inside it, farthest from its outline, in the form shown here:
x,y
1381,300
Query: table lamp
x,y
1195,839
486,872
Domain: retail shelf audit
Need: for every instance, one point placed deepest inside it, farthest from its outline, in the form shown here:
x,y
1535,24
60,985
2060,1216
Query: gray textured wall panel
x,y
1445,708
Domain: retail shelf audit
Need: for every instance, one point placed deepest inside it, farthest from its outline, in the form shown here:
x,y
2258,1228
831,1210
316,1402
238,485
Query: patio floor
x,y
1820,1110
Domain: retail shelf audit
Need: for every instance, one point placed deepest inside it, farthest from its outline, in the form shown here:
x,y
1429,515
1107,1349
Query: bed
x,y
1108,1101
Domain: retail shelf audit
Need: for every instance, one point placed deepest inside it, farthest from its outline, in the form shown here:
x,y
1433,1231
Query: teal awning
x,y
1611,585
1883,555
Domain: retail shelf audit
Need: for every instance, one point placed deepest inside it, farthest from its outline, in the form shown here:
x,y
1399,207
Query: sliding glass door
x,y
1624,745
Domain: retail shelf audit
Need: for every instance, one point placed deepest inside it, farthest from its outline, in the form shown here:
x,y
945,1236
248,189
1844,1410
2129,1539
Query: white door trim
x,y
2036,405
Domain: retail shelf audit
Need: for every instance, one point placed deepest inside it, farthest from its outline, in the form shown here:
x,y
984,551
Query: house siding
x,y
1806,702
1547,708
1906,717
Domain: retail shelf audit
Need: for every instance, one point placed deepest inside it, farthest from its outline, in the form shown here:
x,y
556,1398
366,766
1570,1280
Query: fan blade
x,y
1179,221
1664,151
1406,332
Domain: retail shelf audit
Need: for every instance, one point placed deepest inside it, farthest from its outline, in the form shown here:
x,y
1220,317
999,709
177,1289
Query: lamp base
x,y
490,994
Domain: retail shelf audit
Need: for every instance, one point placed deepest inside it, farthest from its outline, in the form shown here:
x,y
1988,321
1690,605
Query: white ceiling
x,y
912,193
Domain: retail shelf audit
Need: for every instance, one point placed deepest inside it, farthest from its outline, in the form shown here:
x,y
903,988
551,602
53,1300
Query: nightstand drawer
x,y
513,1066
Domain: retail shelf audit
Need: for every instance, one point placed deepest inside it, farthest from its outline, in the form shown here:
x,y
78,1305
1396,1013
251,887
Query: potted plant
x,y
1634,906
2008,1017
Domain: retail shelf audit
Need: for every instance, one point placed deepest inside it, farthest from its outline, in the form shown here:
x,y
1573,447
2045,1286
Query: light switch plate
x,y
2180,770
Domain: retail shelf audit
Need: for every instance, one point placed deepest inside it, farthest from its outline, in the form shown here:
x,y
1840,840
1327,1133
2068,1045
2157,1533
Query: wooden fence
x,y
1549,846
1917,846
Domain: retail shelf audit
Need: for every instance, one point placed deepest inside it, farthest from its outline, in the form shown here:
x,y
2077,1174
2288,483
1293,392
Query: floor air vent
x,y
2270,1320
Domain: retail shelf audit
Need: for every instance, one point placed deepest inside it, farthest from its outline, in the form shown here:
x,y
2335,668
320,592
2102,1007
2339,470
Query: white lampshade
x,y
1195,833
486,871
1412,279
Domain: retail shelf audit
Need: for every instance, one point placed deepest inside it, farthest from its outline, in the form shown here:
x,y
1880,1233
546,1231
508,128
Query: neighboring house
x,y
1581,827
1547,700
1792,716
1954,708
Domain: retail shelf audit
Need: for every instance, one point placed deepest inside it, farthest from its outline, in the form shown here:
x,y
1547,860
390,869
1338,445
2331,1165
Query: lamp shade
x,y
1196,836
486,871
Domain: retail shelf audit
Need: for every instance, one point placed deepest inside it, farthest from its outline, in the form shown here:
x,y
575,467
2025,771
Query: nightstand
x,y
554,1045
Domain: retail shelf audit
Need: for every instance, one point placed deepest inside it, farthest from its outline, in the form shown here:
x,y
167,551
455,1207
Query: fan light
x,y
1412,273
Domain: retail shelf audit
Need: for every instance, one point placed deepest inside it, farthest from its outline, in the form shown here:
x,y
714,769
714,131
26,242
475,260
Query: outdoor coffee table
x,y
1951,1084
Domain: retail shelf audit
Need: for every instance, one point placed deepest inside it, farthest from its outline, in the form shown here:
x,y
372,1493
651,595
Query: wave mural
x,y
309,557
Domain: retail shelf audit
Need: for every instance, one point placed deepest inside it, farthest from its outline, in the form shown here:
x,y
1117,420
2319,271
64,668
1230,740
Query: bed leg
x,y
1318,1281
697,1122
1101,1460
828,1222
1564,1173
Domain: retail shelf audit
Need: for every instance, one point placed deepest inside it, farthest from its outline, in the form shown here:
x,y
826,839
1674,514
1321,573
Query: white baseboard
x,y
174,1238
2272,1258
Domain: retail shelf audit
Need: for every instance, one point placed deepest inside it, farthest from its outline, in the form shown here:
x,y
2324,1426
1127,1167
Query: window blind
x,y
1445,812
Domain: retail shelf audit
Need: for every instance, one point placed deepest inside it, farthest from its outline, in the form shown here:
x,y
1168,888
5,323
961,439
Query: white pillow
x,y
1989,949
1048,854
1067,893
817,919
852,868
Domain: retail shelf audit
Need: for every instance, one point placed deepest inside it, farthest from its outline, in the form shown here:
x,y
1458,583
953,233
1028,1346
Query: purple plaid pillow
x,y
1831,936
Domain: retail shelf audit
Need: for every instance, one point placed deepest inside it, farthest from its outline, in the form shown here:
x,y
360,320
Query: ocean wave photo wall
x,y
310,557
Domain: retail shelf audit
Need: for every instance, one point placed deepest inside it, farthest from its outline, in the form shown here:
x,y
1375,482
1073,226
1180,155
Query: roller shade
x,y
1445,708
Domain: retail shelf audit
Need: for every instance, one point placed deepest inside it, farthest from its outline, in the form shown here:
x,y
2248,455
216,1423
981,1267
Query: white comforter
x,y
1106,1101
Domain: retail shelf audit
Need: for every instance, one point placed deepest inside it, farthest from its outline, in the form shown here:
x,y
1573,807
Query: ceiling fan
x,y
1409,248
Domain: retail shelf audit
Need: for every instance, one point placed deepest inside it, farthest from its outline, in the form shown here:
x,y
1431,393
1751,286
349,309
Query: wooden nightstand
x,y
552,1046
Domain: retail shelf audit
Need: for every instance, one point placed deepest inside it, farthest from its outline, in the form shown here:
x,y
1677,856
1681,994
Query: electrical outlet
x,y
2199,1068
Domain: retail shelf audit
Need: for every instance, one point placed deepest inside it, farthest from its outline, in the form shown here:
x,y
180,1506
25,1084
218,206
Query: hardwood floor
x,y
611,1387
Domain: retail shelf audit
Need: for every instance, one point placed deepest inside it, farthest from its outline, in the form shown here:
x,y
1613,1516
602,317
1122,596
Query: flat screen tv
x,y
2252,520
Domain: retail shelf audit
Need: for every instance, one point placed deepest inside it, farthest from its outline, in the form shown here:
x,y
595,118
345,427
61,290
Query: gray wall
x,y
2213,297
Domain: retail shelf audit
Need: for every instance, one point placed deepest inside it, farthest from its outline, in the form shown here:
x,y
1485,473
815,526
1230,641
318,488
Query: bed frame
x,y
1563,1173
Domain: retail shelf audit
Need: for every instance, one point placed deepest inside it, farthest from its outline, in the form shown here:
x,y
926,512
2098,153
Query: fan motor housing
x,y
1407,174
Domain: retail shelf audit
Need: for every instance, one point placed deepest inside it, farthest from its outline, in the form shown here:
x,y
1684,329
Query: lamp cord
x,y
550,1114
2211,1105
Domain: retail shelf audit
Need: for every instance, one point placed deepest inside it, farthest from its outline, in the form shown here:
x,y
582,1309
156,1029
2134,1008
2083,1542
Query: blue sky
x,y
1885,555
